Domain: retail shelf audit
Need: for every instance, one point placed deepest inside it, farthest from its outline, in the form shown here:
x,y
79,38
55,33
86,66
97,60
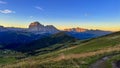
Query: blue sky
x,y
92,14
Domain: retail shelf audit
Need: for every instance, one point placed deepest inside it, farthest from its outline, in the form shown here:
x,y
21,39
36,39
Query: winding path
x,y
102,63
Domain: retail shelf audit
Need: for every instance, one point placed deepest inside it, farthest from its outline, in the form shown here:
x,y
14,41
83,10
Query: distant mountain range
x,y
82,33
76,29
11,37
37,28
87,34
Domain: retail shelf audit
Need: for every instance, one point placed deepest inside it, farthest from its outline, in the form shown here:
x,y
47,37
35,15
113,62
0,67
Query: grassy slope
x,y
8,56
81,55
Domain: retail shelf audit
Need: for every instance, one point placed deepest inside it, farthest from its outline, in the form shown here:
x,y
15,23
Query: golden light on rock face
x,y
110,28
78,29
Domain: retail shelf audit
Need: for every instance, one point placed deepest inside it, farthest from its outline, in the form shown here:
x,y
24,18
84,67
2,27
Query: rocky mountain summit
x,y
39,28
76,29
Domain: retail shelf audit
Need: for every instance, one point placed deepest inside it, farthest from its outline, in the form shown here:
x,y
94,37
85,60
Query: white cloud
x,y
39,8
2,2
6,11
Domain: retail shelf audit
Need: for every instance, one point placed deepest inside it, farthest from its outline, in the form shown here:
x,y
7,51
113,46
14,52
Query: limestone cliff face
x,y
35,24
76,29
37,27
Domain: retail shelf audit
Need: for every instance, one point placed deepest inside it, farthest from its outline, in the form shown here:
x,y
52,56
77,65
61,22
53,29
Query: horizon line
x,y
62,29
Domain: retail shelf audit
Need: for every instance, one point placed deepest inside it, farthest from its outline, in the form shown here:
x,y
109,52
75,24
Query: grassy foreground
x,y
80,56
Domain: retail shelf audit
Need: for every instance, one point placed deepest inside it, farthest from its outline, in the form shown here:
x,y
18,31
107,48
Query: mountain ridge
x,y
58,38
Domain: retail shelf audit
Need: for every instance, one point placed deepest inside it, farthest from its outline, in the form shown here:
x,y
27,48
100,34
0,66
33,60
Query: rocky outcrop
x,y
76,29
39,28
36,26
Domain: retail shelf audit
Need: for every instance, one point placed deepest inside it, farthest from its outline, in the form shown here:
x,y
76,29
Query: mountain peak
x,y
35,24
39,28
78,29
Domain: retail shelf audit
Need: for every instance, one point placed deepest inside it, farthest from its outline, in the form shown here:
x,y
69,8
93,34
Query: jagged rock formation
x,y
36,26
39,28
76,29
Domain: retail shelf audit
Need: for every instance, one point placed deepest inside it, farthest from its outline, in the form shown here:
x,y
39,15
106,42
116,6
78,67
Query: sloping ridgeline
x,y
53,40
